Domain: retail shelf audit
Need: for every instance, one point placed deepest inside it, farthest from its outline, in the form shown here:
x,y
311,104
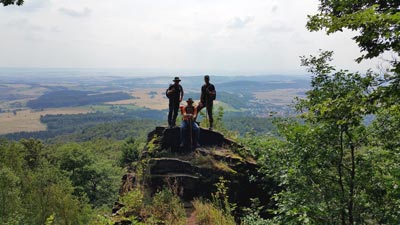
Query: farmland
x,y
28,120
24,101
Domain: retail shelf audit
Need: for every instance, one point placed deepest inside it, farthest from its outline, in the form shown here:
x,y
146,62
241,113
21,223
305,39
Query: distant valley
x,y
26,102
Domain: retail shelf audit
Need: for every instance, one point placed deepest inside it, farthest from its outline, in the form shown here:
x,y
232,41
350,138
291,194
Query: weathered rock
x,y
117,206
170,138
123,222
128,183
169,165
195,173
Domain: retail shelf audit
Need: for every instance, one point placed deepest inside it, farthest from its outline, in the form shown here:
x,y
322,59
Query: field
x,y
280,97
147,93
151,98
27,120
154,98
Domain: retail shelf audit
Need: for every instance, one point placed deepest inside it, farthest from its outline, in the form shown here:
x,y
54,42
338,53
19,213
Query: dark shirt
x,y
175,95
206,97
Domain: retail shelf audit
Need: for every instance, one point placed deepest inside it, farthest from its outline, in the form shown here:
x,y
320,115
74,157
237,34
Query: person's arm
x,y
195,114
181,97
170,90
202,95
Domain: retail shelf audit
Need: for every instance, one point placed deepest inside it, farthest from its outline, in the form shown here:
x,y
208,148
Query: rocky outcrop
x,y
196,171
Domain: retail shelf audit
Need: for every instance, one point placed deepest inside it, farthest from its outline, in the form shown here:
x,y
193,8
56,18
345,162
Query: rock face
x,y
196,171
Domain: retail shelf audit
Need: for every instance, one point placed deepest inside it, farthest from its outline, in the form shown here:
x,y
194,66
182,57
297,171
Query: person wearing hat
x,y
208,95
175,96
189,112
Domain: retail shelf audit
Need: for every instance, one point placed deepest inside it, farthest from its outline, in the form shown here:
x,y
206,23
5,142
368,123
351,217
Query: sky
x,y
225,37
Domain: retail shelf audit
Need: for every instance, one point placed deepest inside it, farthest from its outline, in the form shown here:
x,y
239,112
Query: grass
x,y
164,207
209,162
208,214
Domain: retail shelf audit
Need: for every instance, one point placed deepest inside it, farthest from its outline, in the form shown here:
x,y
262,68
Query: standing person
x,y
208,95
175,96
189,112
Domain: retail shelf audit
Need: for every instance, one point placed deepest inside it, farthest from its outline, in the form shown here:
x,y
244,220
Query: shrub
x,y
166,208
208,214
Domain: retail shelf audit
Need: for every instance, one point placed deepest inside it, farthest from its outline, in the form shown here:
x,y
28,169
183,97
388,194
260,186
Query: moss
x,y
154,146
210,163
223,166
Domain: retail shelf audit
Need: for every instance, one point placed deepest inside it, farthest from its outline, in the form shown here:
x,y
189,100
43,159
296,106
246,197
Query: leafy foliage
x,y
32,192
11,2
98,180
327,165
131,151
378,26
208,214
376,20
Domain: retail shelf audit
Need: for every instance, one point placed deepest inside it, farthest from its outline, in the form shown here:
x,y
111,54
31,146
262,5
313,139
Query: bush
x,y
208,214
133,201
166,208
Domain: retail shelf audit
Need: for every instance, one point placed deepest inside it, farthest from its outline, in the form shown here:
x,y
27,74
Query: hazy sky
x,y
226,37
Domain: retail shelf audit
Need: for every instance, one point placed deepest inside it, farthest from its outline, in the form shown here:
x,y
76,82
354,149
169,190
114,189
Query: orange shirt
x,y
188,112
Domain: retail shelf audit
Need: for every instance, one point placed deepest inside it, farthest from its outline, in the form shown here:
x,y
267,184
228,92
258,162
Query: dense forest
x,y
58,125
67,98
331,167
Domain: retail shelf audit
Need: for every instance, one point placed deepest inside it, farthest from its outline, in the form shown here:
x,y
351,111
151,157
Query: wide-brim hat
x,y
190,100
176,79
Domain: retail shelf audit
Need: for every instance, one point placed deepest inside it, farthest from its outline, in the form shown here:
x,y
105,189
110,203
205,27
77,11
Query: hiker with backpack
x,y
208,95
175,96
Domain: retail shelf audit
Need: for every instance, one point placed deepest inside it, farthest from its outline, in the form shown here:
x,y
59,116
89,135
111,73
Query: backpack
x,y
213,97
166,93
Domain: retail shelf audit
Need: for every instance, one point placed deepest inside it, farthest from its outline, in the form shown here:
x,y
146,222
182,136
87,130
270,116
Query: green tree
x,y
131,151
91,175
328,170
378,26
33,190
33,150
10,202
376,20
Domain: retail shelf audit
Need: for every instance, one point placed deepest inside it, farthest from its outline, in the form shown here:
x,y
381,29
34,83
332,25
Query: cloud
x,y
239,23
55,29
274,8
23,24
276,28
75,13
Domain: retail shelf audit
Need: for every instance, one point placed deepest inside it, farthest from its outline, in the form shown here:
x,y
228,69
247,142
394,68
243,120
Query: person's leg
x,y
210,114
196,132
170,114
175,114
184,126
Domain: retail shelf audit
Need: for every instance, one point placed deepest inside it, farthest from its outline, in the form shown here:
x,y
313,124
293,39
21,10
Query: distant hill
x,y
247,85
